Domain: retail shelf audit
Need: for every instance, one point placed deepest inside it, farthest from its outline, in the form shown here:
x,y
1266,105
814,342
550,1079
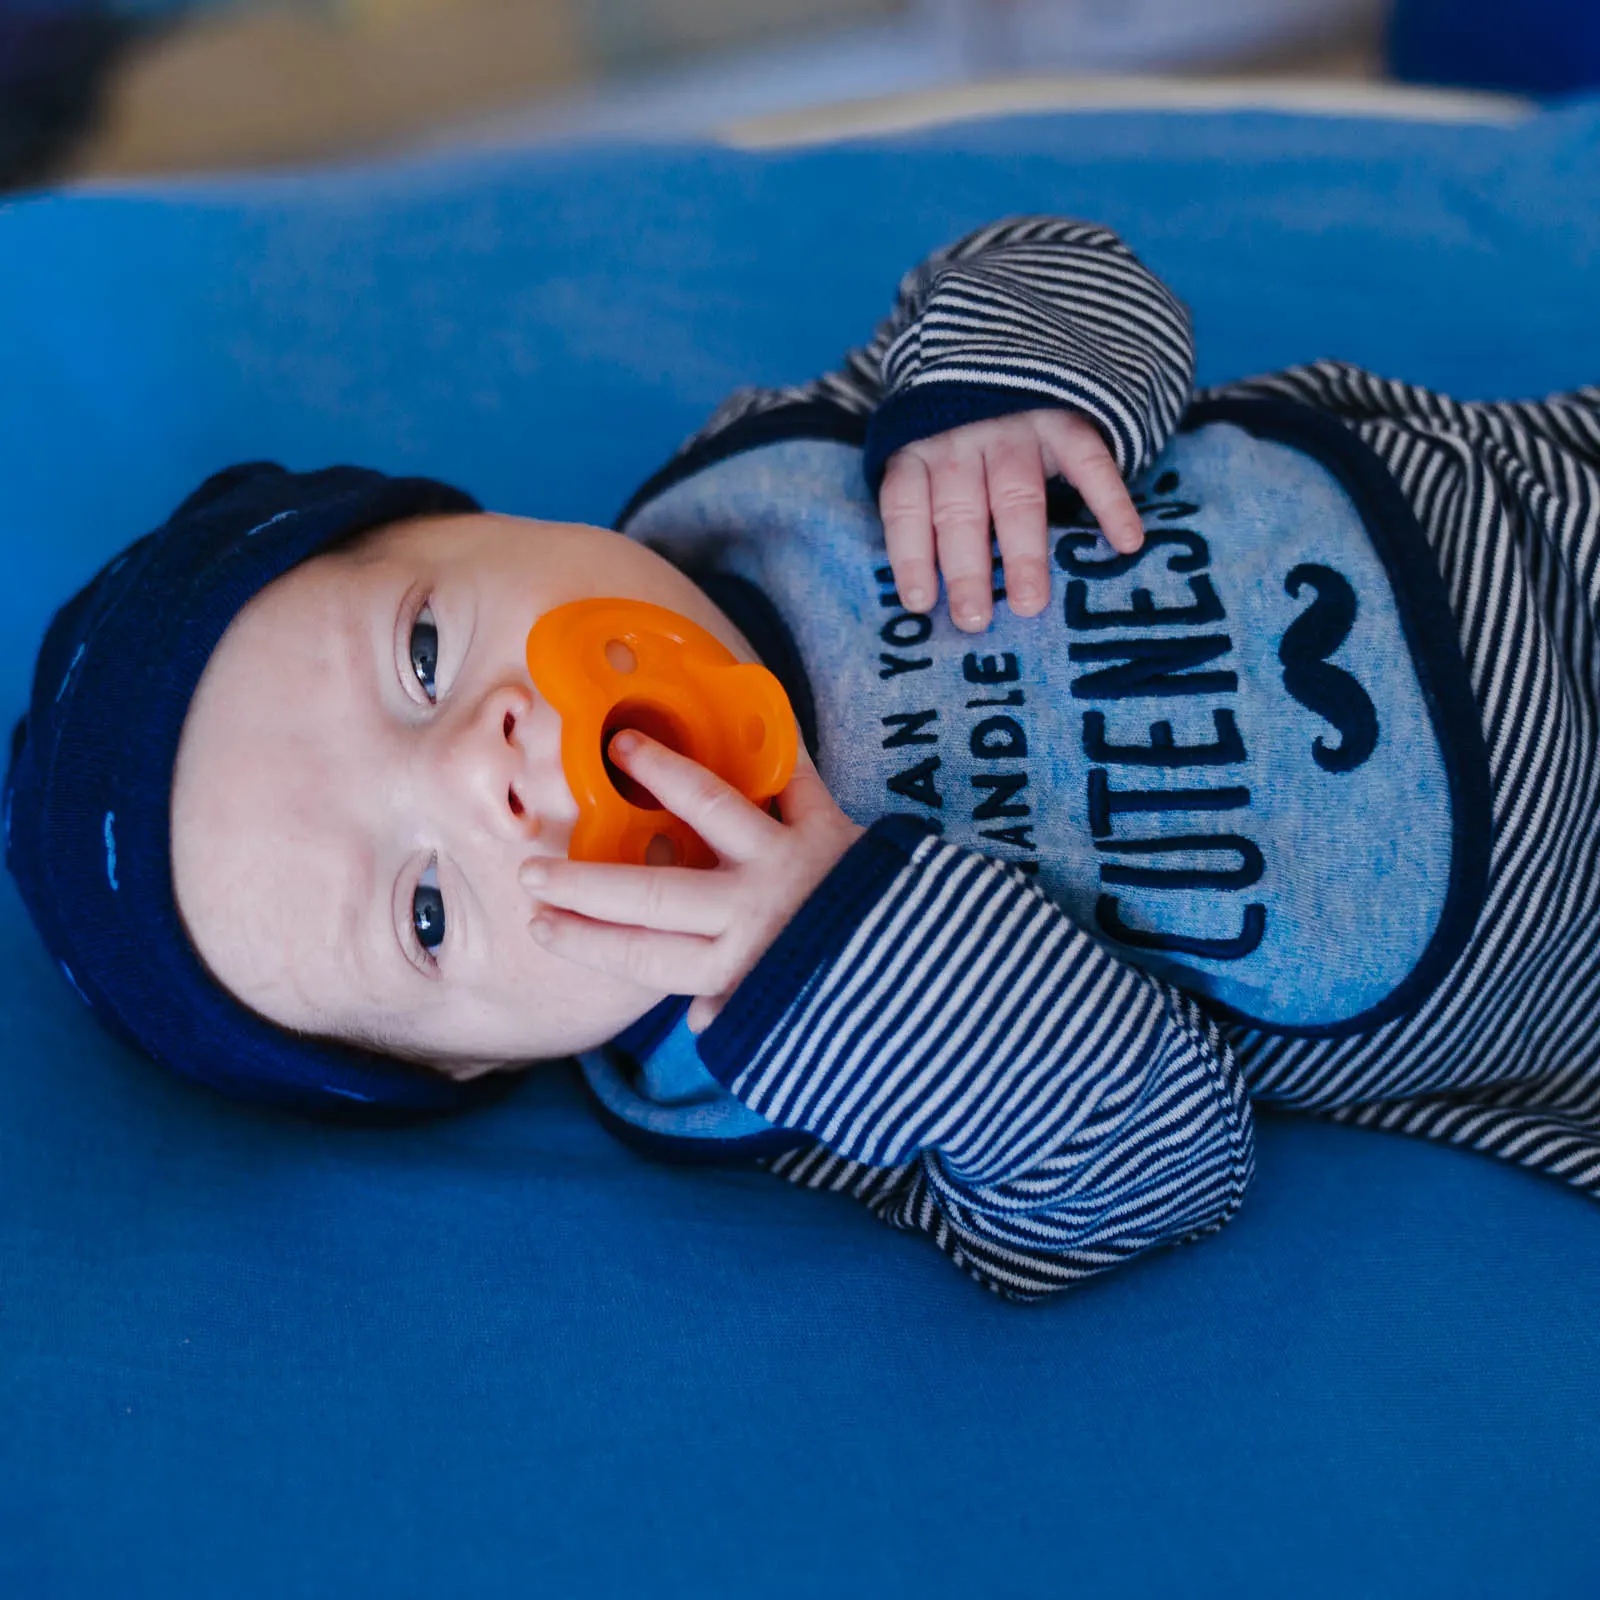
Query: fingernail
x,y
918,599
625,743
542,927
534,874
969,619
1026,594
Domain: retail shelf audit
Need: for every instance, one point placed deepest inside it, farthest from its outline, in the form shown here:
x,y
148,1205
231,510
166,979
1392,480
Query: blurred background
x,y
108,87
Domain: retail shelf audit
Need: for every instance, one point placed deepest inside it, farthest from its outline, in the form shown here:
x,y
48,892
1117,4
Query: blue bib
x,y
1247,758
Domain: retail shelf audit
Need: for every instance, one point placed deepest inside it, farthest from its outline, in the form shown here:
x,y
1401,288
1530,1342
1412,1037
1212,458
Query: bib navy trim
x,y
747,607
625,1052
703,1150
1431,636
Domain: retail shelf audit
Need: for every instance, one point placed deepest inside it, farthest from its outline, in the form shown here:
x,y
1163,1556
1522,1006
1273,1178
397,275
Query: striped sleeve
x,y
1504,1057
1525,430
975,1067
1024,313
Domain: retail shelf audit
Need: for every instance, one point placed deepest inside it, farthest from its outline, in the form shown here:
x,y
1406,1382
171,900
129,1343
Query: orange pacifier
x,y
606,665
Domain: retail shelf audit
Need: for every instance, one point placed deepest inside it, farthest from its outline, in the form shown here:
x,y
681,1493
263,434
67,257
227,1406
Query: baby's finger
x,y
673,963
907,514
670,899
730,824
703,1011
961,534
804,796
1083,459
1015,472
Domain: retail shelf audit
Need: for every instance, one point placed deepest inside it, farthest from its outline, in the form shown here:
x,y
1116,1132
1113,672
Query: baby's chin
x,y
570,1039
465,1070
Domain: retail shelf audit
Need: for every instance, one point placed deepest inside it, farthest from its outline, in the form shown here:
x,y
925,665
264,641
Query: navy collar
x,y
652,1090
747,607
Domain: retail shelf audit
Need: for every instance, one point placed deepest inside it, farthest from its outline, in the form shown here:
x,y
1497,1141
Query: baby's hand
x,y
686,930
941,493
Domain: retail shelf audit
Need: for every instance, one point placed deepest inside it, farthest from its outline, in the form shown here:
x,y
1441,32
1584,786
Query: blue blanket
x,y
503,1356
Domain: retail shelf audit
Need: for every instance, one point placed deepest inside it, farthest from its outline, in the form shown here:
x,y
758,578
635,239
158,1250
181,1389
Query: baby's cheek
x,y
558,1007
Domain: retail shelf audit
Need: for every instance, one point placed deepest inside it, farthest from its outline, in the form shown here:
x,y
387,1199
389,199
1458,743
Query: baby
x,y
1274,778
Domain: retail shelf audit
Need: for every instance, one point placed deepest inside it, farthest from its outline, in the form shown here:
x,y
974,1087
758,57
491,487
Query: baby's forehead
x,y
308,603
459,536
260,937
266,833
267,869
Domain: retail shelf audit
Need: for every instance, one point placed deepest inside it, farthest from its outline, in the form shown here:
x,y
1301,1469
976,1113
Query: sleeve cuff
x,y
817,932
933,408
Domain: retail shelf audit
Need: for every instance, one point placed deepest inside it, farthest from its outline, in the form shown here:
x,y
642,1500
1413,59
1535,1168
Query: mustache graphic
x,y
1328,691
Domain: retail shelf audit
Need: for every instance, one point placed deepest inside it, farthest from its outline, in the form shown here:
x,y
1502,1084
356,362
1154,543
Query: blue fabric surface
x,y
500,1356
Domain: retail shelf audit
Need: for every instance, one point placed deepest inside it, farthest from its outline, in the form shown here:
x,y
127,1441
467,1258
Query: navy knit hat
x,y
90,781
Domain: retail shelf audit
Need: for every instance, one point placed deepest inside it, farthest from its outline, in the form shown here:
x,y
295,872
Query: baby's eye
x,y
425,650
427,909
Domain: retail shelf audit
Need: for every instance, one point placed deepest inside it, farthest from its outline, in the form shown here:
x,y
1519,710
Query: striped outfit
x,y
946,1036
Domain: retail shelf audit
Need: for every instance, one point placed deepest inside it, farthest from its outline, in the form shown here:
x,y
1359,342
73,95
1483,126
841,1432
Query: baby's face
x,y
364,768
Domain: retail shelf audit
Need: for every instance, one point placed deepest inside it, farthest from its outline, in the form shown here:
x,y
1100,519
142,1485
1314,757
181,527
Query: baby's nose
x,y
537,797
